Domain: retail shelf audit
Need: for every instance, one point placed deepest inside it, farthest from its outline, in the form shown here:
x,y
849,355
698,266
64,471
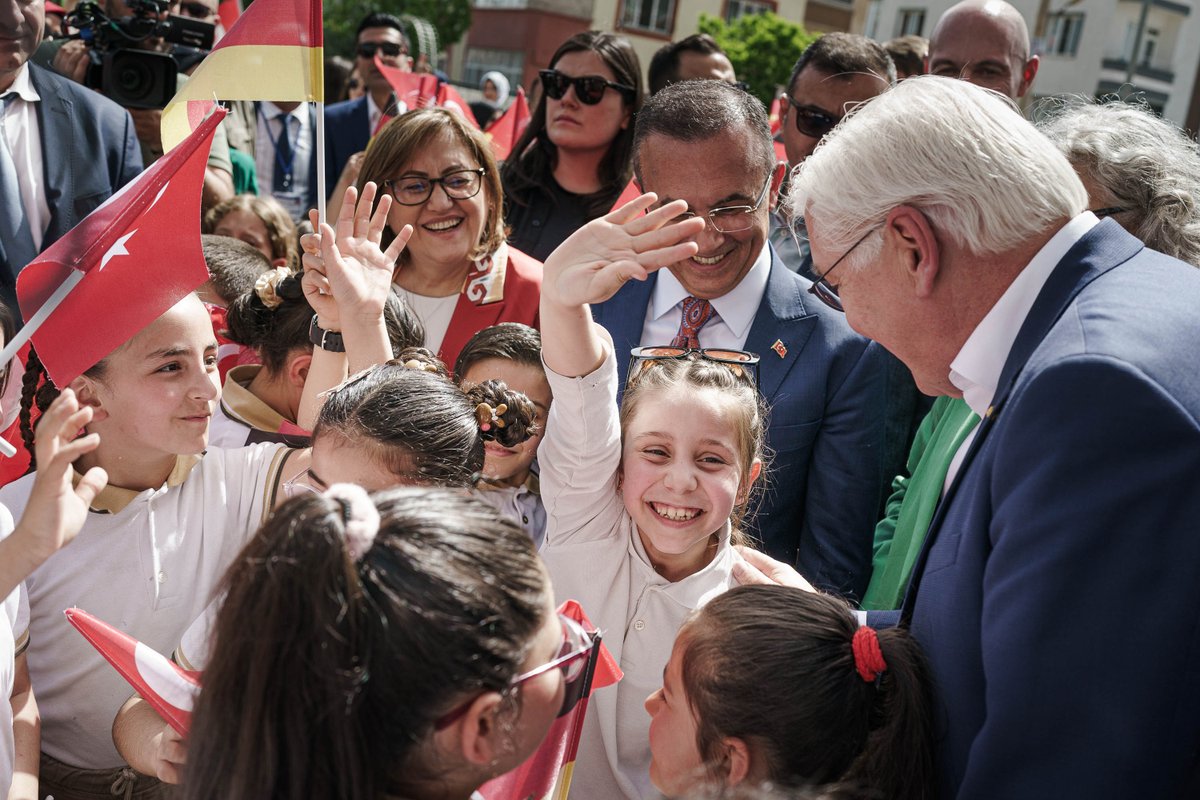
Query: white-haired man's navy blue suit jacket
x,y
1058,598
827,394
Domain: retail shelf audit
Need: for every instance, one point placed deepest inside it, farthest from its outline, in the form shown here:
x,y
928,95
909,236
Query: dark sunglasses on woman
x,y
588,88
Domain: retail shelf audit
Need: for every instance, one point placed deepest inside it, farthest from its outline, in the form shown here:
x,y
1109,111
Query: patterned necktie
x,y
285,156
696,313
14,224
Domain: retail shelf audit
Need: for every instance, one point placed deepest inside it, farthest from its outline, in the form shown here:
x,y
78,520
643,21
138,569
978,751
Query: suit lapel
x,y
623,316
58,148
780,329
1104,247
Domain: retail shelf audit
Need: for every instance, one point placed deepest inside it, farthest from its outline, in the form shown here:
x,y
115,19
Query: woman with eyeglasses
x,y
458,273
403,644
575,157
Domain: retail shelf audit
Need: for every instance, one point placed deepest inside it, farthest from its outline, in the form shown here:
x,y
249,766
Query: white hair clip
x,y
362,521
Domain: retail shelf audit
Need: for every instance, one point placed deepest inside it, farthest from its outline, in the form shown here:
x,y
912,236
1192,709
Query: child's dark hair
x,y
422,425
800,701
38,391
233,265
648,376
8,327
511,341
328,673
279,331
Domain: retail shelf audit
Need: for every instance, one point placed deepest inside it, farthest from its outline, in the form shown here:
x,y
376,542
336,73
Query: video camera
x,y
132,77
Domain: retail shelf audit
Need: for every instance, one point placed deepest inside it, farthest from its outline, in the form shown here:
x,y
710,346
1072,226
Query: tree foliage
x,y
450,18
763,48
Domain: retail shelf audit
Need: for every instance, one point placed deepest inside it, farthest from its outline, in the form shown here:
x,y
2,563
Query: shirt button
x,y
162,577
525,519
537,223
640,625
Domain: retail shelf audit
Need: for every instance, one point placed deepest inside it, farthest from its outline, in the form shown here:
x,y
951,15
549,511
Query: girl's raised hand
x,y
346,264
57,509
591,265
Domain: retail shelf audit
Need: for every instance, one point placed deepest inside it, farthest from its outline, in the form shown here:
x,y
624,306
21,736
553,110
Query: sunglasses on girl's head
x,y
572,658
588,88
740,362
813,121
390,49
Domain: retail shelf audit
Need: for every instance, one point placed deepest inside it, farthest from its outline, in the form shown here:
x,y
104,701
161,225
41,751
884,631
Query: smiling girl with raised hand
x,y
642,506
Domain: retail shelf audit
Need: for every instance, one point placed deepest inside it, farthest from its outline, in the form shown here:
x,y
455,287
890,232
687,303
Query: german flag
x,y
273,52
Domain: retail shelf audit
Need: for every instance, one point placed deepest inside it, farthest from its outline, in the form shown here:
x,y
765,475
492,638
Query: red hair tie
x,y
868,658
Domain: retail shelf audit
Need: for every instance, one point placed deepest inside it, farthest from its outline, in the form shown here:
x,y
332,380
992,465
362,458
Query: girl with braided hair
x,y
775,684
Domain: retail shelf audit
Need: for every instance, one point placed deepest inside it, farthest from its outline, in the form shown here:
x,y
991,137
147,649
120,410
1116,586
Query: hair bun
x,y
505,416
421,359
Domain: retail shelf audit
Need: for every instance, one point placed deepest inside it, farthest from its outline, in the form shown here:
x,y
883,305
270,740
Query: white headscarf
x,y
502,87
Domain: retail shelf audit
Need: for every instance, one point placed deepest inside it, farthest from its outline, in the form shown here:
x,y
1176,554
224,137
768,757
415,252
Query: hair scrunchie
x,y
362,518
868,658
267,285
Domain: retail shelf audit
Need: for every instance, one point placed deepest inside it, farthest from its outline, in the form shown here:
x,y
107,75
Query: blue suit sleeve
x,y
1091,594
131,153
846,481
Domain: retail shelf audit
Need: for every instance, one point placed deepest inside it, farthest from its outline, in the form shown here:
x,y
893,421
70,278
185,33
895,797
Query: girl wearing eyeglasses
x,y
457,274
575,157
644,503
401,644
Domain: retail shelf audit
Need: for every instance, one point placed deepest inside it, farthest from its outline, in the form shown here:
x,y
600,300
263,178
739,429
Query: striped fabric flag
x,y
169,689
273,52
546,775
509,126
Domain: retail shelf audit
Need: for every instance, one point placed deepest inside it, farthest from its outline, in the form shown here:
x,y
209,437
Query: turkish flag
x,y
229,11
139,253
507,129
413,89
631,192
549,768
449,97
170,689
776,115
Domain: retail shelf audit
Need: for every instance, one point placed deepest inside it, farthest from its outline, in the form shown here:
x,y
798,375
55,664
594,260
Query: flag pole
x,y
18,341
321,190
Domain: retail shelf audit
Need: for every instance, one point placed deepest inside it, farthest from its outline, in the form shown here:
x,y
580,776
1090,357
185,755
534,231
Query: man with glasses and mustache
x,y
833,74
351,124
709,143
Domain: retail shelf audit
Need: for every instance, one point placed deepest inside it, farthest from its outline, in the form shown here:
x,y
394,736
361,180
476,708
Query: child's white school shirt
x,y
146,563
14,621
596,557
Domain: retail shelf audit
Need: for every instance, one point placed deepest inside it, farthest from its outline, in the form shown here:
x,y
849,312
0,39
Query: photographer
x,y
145,47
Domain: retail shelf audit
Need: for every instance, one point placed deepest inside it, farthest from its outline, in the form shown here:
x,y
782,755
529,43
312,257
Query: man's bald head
x,y
985,42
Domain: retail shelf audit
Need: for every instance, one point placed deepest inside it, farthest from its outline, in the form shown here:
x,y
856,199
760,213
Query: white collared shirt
x,y
301,136
25,143
735,310
977,367
375,113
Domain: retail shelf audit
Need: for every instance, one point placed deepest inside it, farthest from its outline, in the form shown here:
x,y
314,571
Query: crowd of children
x,y
364,553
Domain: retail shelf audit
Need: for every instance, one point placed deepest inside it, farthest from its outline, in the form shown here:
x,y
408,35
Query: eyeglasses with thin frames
x,y
824,290
731,219
414,190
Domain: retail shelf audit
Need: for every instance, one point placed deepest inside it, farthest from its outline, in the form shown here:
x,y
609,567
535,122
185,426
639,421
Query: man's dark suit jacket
x,y
89,151
1058,595
347,131
826,388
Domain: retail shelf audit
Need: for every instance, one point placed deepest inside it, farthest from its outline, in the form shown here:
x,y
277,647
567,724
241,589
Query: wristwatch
x,y
326,340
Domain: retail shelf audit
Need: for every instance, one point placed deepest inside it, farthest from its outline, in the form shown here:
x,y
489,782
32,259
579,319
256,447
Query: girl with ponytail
x,y
778,685
402,644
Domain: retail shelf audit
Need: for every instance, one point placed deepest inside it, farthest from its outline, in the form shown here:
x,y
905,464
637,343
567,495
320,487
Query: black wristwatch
x,y
326,340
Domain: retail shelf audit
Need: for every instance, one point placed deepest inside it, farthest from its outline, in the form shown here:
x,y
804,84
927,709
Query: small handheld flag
x,y
509,126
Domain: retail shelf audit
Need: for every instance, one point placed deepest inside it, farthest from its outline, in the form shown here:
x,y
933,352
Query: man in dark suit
x,y
1058,591
709,143
351,124
67,149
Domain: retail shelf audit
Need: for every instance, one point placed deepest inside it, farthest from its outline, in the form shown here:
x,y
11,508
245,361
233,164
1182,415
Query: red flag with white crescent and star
x,y
139,252
413,89
169,688
509,126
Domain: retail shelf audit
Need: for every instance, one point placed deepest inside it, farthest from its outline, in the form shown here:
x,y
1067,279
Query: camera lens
x,y
133,79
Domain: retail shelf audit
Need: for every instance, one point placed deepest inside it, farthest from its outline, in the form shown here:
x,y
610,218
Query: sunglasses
x,y
573,655
588,88
390,49
740,363
812,121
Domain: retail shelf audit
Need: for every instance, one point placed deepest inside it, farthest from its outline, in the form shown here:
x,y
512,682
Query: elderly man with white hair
x,y
1058,591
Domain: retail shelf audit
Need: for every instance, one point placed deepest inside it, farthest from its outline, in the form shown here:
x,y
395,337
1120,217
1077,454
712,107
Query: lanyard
x,y
283,166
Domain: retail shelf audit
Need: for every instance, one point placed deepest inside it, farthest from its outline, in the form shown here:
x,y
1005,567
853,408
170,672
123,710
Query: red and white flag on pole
x,y
169,688
132,258
546,775
509,126
413,89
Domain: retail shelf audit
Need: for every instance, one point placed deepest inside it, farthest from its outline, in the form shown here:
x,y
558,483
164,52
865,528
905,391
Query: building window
x,y
509,63
1149,46
871,28
910,22
651,16
1062,33
740,8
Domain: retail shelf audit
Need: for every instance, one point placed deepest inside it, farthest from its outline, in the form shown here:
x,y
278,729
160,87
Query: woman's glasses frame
x,y
473,183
